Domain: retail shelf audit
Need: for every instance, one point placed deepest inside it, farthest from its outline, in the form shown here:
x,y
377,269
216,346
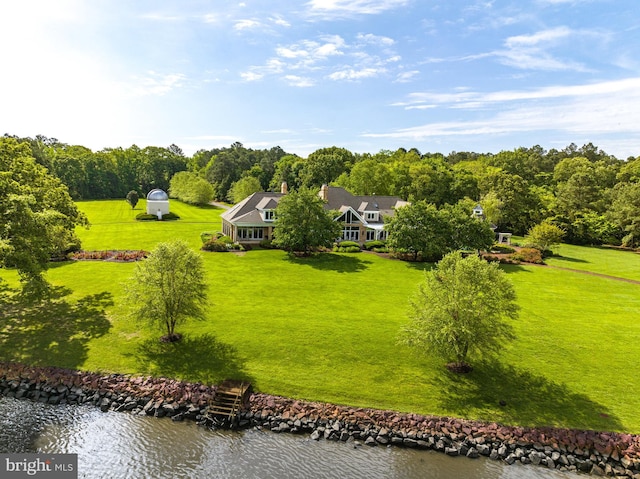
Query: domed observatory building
x,y
157,203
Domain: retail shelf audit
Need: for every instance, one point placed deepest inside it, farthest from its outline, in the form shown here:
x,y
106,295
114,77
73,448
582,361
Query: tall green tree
x,y
37,215
461,310
624,212
325,165
190,188
168,288
302,223
244,187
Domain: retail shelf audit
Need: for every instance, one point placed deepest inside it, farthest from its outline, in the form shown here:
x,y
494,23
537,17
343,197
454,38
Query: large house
x,y
253,219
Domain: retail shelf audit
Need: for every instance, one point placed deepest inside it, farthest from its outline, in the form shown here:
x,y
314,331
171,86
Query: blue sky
x,y
365,75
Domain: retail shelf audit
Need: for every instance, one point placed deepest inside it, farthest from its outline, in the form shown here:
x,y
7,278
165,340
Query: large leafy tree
x,y
244,187
190,188
624,212
168,287
418,230
325,165
461,310
37,215
464,231
303,224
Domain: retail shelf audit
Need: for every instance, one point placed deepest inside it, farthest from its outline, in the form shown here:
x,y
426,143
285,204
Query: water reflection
x,y
119,445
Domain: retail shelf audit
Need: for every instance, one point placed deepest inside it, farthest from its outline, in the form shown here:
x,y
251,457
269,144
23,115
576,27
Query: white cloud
x,y
246,24
336,8
590,110
251,76
375,39
531,52
405,77
278,20
156,84
352,75
298,81
472,99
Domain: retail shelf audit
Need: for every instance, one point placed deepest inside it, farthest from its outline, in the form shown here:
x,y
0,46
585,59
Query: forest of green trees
x,y
593,196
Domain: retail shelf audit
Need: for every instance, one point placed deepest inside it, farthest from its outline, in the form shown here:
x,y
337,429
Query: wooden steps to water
x,y
231,397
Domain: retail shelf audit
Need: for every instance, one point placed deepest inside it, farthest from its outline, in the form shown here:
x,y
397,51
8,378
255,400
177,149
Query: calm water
x,y
119,445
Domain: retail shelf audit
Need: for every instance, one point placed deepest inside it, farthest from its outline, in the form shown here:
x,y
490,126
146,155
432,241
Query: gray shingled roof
x,y
246,212
339,197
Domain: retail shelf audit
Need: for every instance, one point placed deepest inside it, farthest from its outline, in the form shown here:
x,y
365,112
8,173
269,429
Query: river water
x,y
119,445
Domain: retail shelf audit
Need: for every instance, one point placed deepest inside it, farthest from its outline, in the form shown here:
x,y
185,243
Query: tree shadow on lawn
x,y
52,332
332,262
513,396
198,359
569,259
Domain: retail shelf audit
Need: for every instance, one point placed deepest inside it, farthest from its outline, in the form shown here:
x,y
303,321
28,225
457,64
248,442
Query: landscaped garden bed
x,y
110,255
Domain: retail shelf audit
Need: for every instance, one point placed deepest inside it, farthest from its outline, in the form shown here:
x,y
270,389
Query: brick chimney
x,y
324,193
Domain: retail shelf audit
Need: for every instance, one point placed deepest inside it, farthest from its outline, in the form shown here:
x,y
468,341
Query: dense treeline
x,y
590,194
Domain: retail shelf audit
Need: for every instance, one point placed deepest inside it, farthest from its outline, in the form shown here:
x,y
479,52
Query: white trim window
x,y
269,215
371,215
371,234
350,233
250,234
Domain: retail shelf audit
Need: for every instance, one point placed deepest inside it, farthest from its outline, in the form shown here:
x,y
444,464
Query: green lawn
x,y
325,328
623,264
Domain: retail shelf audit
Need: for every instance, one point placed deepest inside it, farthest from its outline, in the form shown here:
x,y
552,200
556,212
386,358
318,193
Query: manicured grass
x,y
113,225
623,264
325,328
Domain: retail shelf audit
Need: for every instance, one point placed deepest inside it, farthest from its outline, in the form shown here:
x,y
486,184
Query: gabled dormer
x,y
349,216
266,207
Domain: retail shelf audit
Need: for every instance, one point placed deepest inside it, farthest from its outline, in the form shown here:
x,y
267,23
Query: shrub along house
x,y
253,219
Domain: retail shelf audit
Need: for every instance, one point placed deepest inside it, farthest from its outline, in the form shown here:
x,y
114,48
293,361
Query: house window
x,y
269,215
371,235
250,233
371,216
382,235
350,233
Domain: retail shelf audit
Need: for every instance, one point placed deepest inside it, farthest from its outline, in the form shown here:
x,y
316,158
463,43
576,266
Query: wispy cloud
x,y
246,24
592,109
375,39
473,99
154,83
299,81
352,75
342,8
405,77
533,52
330,57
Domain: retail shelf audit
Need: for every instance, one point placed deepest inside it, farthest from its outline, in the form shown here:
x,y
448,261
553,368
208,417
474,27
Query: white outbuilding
x,y
157,203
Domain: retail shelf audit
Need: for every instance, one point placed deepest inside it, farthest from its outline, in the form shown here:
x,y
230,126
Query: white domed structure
x,y
157,203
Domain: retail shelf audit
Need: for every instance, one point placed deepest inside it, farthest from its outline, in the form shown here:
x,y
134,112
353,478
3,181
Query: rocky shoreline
x,y
591,452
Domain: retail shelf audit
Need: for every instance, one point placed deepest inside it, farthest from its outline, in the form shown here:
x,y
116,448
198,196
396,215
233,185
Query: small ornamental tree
x,y
460,311
544,235
168,288
132,198
302,224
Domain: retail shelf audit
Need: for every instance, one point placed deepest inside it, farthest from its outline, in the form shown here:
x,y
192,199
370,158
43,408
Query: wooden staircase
x,y
230,398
